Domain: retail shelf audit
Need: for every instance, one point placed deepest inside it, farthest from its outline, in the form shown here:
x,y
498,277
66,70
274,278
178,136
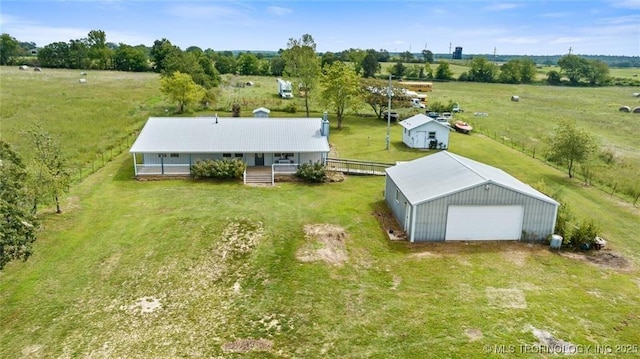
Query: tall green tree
x,y
427,56
443,71
398,69
248,64
374,92
55,55
129,58
9,47
571,144
340,89
51,175
482,70
160,51
98,50
370,65
574,67
181,88
596,72
303,64
18,228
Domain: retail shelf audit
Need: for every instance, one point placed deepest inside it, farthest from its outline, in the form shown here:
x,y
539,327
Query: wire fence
x,y
539,151
80,171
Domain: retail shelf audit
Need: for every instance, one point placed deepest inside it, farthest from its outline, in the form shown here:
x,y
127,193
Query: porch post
x,y
135,165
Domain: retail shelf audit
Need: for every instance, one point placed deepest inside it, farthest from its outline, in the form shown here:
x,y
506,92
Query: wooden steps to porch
x,y
258,175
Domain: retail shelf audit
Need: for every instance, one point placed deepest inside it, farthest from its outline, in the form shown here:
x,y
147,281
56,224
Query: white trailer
x,y
284,89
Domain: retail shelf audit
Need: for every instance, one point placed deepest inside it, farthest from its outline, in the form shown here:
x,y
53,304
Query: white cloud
x,y
279,11
626,4
501,6
519,40
566,40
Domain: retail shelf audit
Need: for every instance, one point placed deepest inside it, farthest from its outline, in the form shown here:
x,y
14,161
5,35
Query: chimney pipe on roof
x,y
216,117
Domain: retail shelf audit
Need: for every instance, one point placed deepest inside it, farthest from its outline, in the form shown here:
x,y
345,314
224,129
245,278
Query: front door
x,y
259,159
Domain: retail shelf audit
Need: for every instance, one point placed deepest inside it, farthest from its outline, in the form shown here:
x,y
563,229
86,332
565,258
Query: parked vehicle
x,y
456,108
394,116
415,103
462,127
432,114
284,89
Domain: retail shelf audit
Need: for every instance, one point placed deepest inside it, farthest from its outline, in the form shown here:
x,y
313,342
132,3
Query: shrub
x,y
312,172
218,169
235,110
584,234
291,108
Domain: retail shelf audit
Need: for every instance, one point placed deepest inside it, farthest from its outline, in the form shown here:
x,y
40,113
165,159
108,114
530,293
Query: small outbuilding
x,y
444,197
261,112
422,131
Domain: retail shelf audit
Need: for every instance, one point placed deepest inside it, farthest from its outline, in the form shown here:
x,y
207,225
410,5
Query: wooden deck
x,y
356,167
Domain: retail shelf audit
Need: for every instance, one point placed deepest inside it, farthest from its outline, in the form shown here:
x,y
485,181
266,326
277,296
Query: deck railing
x,y
163,169
357,167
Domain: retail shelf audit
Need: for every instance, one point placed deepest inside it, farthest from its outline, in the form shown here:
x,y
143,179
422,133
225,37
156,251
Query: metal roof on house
x,y
418,120
444,173
216,135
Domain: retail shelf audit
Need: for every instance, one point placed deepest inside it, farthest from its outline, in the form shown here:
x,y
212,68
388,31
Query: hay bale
x,y
83,81
515,98
37,69
23,67
636,109
625,109
636,94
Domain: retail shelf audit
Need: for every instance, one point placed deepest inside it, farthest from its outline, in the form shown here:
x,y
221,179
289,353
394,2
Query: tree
x,y
398,69
427,56
356,57
129,58
571,144
50,174
18,229
327,59
276,66
574,67
482,70
248,64
443,71
160,51
8,48
182,89
302,63
370,65
341,88
596,72
98,50
554,78
374,93
55,55
226,64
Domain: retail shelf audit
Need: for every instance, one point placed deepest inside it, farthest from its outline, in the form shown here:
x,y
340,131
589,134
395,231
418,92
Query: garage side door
x,y
484,222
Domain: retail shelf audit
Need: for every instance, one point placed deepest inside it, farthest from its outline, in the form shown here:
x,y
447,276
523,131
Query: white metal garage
x,y
484,223
445,196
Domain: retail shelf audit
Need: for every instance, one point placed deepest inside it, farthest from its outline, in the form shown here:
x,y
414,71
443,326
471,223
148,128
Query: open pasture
x,y
181,268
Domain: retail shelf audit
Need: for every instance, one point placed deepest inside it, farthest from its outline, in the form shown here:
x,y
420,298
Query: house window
x,y
397,195
432,135
226,155
175,155
237,155
162,155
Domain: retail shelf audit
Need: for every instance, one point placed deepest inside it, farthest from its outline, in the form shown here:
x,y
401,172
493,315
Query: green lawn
x,y
228,262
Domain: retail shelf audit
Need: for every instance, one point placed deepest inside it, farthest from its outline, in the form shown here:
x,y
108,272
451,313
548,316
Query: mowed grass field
x,y
182,268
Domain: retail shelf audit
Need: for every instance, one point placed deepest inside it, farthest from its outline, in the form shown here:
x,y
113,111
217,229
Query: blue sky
x,y
517,27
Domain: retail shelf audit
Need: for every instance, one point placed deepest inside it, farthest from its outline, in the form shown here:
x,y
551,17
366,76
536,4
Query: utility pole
x,y
569,50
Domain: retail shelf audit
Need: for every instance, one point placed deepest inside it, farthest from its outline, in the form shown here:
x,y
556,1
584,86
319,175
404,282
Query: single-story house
x,y
422,131
445,196
170,145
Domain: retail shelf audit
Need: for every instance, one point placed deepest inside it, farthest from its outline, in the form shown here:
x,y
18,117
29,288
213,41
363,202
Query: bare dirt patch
x,y
506,298
248,345
325,242
552,344
603,259
145,305
473,334
390,226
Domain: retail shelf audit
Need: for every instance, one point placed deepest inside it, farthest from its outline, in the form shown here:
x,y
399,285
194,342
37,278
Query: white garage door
x,y
484,222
